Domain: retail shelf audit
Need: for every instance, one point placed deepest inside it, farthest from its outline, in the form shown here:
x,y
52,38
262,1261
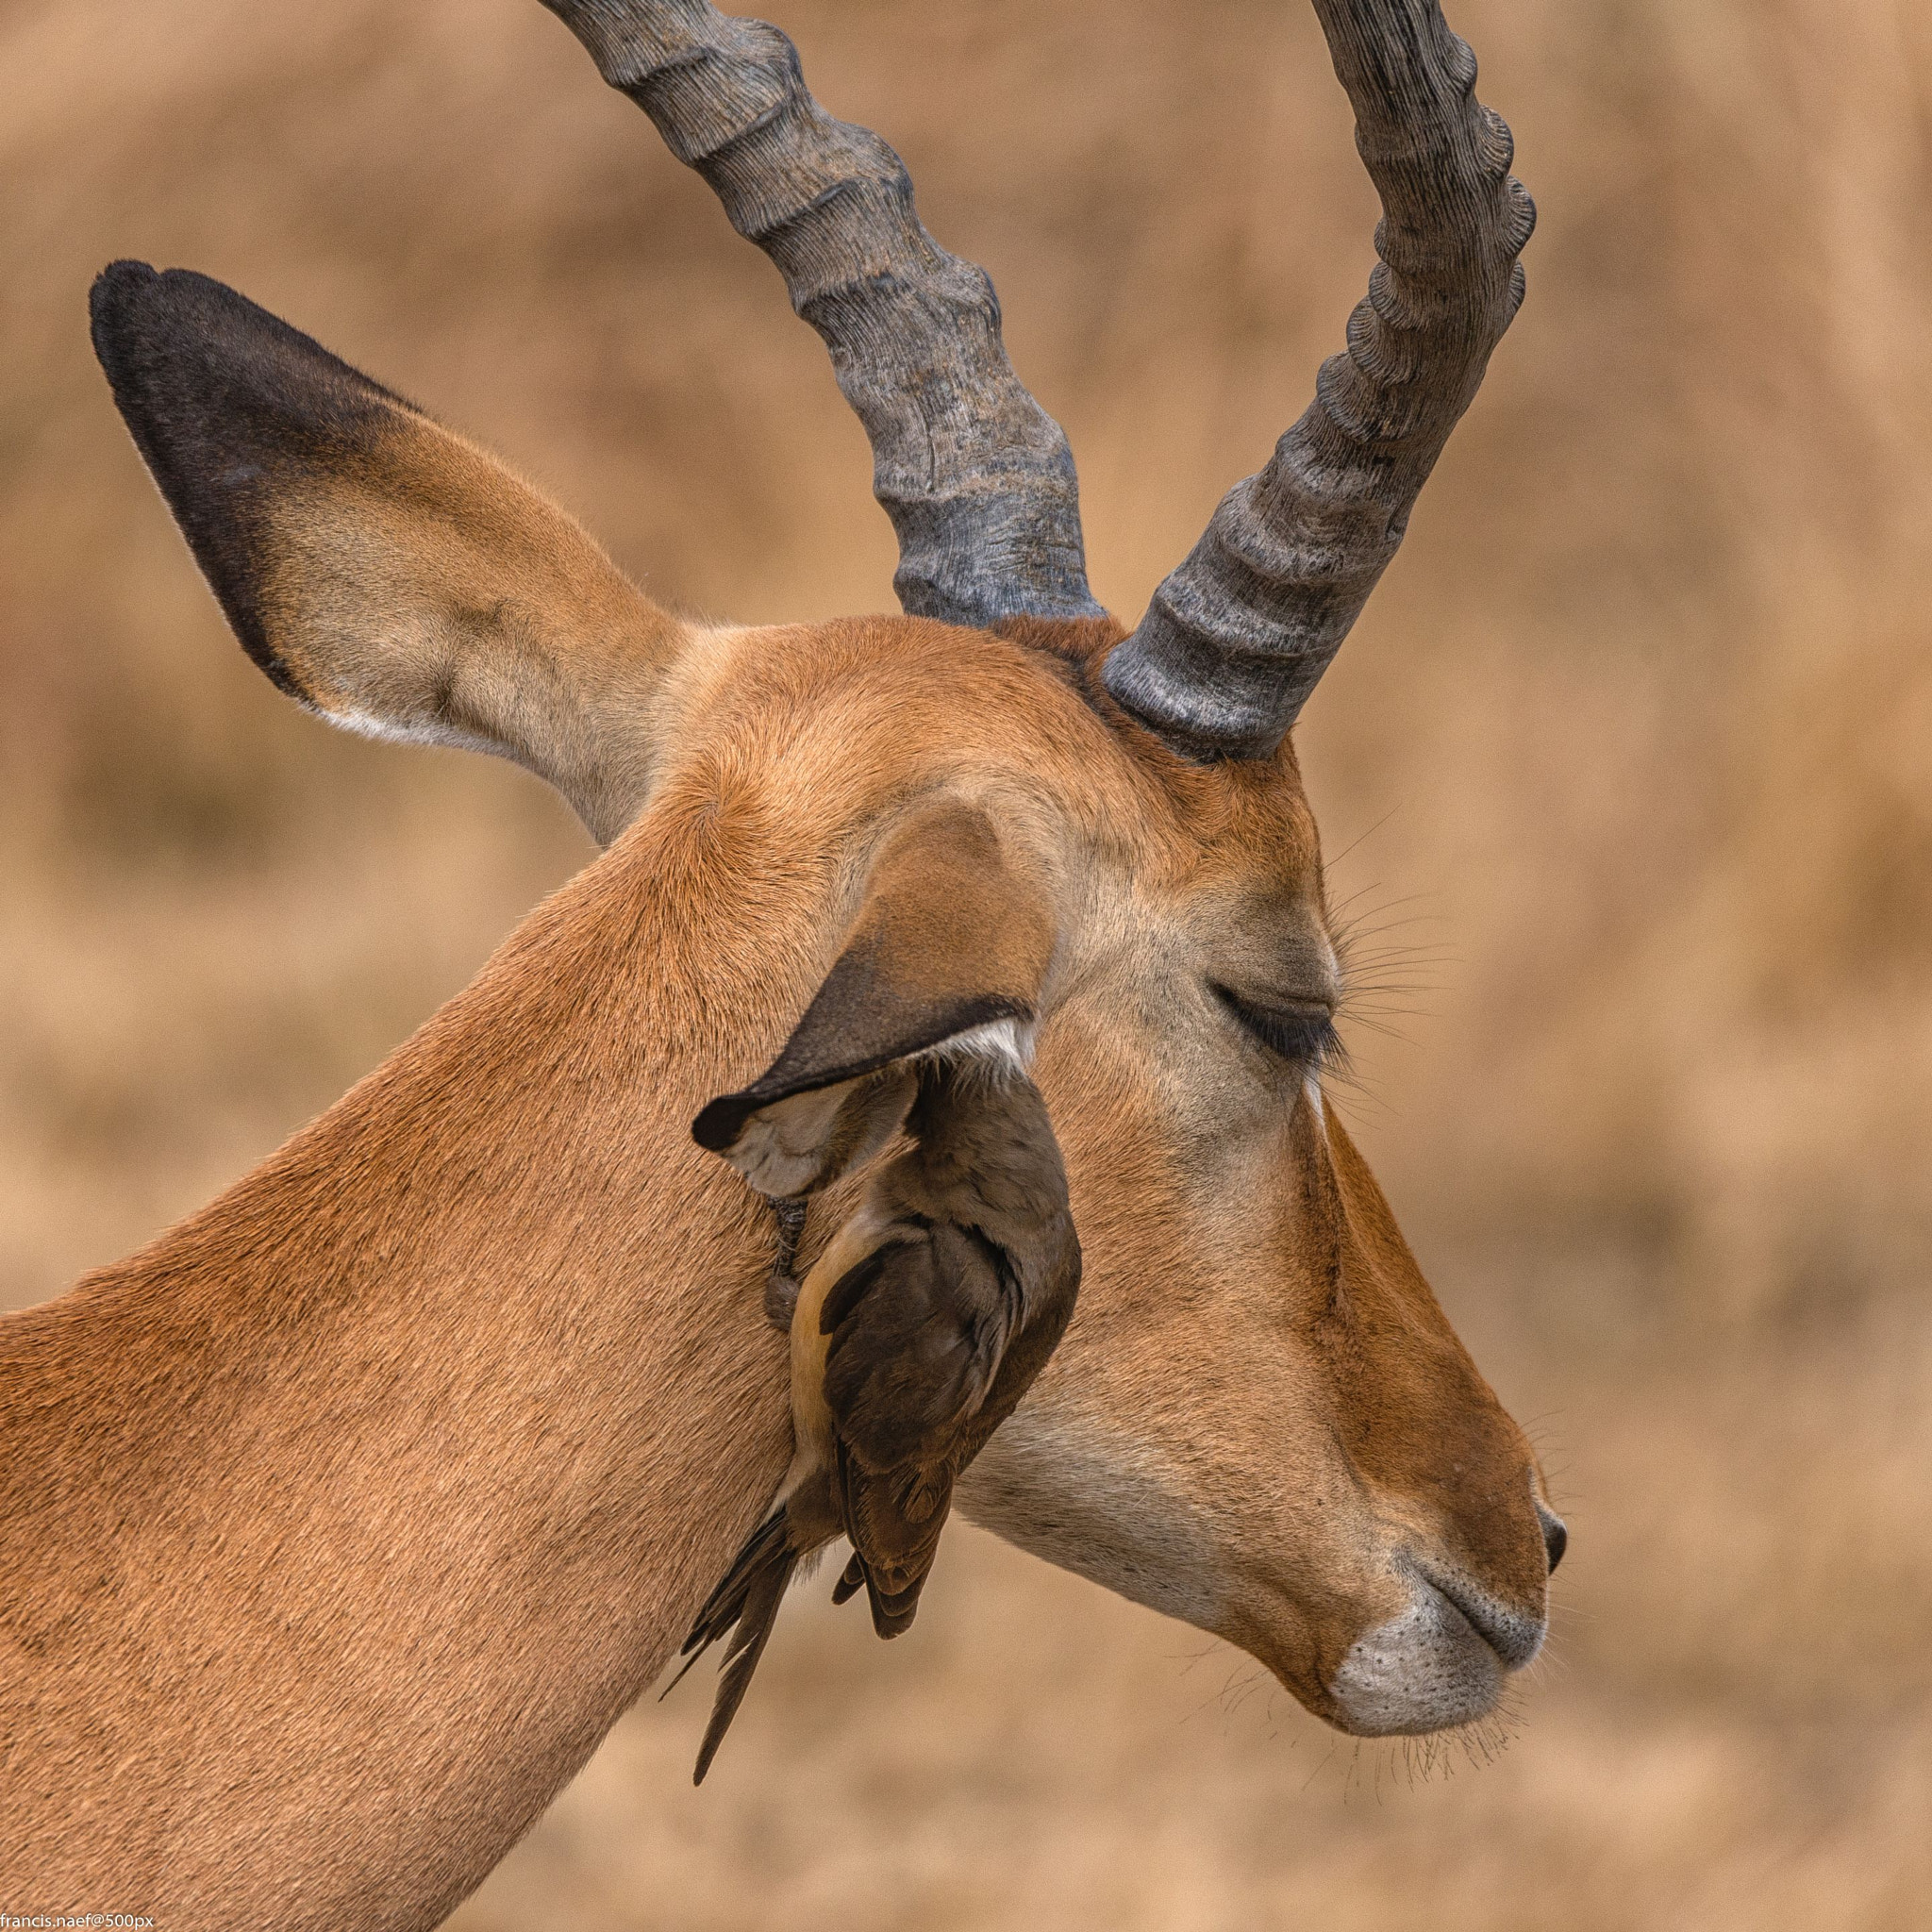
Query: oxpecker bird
x,y
914,1334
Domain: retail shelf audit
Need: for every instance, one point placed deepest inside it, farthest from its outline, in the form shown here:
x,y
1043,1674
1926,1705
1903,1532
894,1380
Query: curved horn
x,y
975,476
1236,638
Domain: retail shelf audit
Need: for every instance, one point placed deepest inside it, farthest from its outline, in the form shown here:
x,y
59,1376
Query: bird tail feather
x,y
891,1613
742,1609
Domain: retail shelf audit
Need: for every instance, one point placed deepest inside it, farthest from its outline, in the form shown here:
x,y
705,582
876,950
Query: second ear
x,y
948,953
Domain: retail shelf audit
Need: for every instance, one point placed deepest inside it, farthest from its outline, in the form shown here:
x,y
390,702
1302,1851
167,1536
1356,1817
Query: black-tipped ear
x,y
222,400
858,1022
953,939
385,572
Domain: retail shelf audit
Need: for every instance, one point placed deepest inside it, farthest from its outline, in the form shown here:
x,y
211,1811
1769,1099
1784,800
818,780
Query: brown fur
x,y
338,1525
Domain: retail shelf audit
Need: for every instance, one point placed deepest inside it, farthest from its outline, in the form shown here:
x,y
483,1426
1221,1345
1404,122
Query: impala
x,y
339,1523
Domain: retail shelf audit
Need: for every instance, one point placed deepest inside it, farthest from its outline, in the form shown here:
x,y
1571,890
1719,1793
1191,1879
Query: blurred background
x,y
1629,767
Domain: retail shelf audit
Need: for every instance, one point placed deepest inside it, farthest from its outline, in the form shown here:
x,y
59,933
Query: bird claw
x,y
781,1284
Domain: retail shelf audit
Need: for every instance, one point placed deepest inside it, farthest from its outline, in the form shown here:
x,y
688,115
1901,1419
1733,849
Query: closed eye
x,y
1304,1034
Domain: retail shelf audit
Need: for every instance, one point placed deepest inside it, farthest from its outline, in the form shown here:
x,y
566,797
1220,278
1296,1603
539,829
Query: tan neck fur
x,y
360,1519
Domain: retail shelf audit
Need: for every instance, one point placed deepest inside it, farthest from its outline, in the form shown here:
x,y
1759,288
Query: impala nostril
x,y
1556,1537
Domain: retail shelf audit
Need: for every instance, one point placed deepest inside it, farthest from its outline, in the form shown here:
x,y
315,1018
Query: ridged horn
x,y
976,477
1234,639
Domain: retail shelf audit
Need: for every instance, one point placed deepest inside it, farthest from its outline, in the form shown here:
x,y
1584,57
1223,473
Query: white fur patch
x,y
388,731
1424,1670
1441,1662
1095,1504
1005,1045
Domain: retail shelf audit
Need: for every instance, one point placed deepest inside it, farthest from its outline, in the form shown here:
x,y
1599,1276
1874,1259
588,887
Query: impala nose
x,y
1556,1537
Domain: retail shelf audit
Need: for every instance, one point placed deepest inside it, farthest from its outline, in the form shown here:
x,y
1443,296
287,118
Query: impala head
x,y
1012,828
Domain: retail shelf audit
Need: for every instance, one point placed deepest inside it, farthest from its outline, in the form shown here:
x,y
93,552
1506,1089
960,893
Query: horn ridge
x,y
1237,637
977,478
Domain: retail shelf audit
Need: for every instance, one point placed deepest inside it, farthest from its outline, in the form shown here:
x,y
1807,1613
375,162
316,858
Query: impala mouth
x,y
1437,1663
1515,1635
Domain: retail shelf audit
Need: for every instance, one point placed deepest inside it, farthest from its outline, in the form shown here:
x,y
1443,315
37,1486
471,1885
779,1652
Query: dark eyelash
x,y
1307,1037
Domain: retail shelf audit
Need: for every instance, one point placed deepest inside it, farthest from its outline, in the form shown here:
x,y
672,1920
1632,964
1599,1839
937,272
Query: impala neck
x,y
338,1524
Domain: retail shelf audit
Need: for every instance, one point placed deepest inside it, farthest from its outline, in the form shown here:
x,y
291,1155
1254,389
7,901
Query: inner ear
x,y
382,570
798,1144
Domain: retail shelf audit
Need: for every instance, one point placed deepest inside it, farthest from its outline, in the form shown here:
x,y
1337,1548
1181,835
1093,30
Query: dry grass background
x,y
1632,756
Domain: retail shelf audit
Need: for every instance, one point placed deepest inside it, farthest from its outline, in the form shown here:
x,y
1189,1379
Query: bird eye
x,y
1303,1034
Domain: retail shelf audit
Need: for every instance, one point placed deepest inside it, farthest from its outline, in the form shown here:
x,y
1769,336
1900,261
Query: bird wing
x,y
931,1345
